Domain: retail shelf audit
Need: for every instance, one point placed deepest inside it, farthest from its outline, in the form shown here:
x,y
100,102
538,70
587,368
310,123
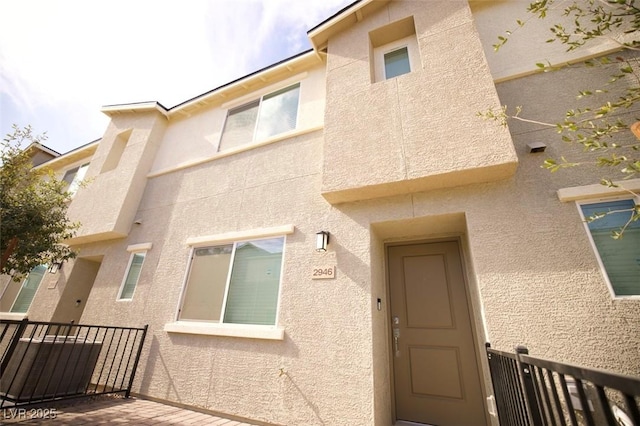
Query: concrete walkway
x,y
111,411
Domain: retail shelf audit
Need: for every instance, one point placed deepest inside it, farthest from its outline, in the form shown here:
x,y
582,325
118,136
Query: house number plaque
x,y
323,272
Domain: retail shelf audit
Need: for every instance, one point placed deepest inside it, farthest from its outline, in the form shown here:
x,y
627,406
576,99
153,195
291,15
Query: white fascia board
x,y
262,76
139,107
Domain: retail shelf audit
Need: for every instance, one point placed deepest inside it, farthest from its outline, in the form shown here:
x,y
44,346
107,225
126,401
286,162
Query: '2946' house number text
x,y
323,273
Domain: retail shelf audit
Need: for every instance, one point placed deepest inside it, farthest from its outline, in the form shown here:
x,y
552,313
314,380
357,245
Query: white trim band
x,y
139,247
597,190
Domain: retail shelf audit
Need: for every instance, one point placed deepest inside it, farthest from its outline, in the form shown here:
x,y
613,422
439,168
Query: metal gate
x,y
44,361
533,391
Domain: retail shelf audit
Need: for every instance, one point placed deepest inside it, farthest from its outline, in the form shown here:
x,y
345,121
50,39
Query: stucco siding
x,y
193,138
414,129
374,163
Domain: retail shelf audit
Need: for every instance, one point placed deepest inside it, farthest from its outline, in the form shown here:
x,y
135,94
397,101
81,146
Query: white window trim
x,y
236,103
603,270
597,191
269,332
133,249
229,237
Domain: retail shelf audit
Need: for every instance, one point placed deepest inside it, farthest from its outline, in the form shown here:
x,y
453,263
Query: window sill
x,y
228,330
12,316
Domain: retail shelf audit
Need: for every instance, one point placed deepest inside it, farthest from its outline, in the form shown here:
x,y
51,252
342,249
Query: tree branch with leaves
x,y
603,129
33,209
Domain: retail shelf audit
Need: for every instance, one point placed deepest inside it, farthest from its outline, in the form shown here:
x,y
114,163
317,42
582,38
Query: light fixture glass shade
x,y
54,267
322,240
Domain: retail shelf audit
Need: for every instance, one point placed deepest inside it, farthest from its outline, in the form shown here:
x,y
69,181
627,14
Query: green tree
x,y
33,209
604,129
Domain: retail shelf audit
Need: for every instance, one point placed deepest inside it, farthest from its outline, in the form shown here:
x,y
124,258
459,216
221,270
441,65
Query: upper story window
x,y
619,258
234,283
396,63
74,178
394,50
268,116
28,290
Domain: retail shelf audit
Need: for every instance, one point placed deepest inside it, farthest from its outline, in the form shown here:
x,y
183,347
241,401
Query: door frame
x,y
474,304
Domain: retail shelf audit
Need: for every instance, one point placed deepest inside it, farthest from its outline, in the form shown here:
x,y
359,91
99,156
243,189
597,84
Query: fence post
x,y
135,363
12,346
528,387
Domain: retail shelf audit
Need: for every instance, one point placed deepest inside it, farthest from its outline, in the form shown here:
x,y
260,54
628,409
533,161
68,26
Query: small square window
x,y
618,257
235,283
396,63
131,277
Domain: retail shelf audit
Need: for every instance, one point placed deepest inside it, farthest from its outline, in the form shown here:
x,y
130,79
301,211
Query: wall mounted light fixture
x,y
322,240
536,147
55,266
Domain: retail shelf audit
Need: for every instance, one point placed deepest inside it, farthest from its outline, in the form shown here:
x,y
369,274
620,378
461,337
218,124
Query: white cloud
x,y
70,57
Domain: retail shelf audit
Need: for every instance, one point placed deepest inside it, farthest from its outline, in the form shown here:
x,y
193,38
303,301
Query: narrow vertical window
x,y
131,277
619,257
28,290
396,63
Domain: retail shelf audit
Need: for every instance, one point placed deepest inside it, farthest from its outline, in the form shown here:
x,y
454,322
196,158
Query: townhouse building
x,y
332,239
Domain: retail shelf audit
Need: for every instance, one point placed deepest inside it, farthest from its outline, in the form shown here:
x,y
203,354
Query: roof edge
x,y
239,81
355,12
110,110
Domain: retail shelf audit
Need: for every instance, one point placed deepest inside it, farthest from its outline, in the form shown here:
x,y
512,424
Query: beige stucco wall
x,y
417,131
531,273
107,209
526,45
195,137
326,353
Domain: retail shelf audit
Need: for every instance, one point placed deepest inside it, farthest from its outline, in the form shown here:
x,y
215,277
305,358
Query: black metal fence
x,y
533,391
44,361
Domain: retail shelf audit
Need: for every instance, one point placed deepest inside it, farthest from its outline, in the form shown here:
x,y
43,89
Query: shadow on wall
x,y
290,384
154,359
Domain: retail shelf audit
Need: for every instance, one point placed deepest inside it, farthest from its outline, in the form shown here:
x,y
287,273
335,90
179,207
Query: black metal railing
x,y
532,391
44,361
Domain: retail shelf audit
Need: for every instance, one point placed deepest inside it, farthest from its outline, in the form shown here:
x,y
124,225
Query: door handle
x,y
396,338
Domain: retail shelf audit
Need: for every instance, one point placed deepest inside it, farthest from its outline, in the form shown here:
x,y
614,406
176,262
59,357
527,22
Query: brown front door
x,y
435,369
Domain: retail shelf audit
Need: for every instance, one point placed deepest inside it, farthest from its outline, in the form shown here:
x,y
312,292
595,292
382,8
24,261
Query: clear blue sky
x,y
62,60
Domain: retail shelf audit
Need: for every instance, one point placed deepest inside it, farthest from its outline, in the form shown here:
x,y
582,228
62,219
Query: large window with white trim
x,y
234,283
619,257
28,290
268,116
